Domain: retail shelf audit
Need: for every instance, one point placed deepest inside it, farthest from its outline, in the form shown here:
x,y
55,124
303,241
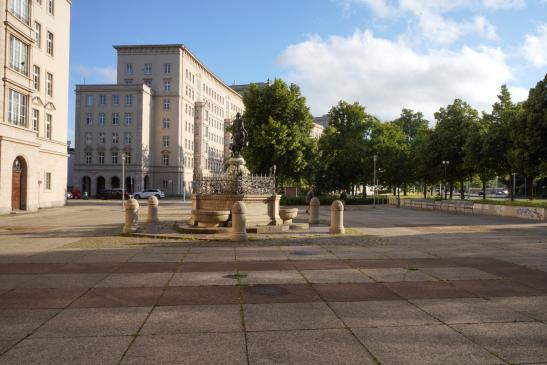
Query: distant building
x,y
240,89
34,62
71,160
322,121
164,120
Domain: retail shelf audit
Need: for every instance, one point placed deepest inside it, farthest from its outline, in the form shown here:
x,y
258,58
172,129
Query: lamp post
x,y
445,164
374,158
123,179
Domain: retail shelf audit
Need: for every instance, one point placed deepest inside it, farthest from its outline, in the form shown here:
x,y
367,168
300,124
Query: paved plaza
x,y
403,287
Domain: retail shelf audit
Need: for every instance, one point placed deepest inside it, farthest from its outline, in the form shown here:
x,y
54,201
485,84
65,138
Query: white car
x,y
148,193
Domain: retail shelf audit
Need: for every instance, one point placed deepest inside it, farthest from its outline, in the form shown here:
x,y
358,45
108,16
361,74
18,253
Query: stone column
x,y
239,222
200,121
153,208
131,216
337,217
314,211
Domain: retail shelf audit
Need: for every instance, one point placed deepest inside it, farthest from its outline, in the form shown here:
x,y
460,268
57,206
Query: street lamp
x,y
445,164
374,158
123,179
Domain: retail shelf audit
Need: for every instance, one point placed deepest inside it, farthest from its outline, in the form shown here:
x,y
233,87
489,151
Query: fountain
x,y
214,195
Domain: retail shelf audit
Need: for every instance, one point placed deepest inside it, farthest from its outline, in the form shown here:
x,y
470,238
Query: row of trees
x,y
511,139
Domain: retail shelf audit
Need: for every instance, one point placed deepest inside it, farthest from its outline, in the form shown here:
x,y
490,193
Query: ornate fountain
x,y
214,195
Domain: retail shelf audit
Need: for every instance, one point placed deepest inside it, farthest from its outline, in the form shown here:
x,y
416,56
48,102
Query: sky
x,y
385,54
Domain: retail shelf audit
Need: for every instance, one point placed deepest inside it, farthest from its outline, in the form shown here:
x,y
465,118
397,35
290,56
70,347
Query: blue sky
x,y
386,54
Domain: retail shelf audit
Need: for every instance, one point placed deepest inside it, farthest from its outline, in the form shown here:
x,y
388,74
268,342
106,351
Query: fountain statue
x,y
214,195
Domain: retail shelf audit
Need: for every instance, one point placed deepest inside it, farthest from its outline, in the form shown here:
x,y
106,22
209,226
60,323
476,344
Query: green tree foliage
x,y
393,151
454,124
480,155
279,125
345,147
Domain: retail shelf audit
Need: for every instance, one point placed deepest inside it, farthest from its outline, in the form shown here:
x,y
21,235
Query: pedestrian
x,y
344,196
309,196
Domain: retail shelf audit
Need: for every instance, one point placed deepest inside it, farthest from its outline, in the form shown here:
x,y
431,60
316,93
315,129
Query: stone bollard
x,y
153,204
337,217
239,222
314,211
131,216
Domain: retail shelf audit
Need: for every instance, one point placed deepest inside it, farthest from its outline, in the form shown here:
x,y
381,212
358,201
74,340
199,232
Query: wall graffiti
x,y
533,213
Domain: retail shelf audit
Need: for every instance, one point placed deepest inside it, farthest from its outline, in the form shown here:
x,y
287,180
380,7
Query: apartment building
x,y
34,47
177,128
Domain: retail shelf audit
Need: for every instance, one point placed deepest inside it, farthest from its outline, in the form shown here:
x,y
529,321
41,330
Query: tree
x,y
345,147
393,153
279,125
453,125
425,160
480,153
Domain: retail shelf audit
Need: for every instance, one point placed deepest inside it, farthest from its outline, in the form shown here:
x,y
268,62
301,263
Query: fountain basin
x,y
210,218
288,214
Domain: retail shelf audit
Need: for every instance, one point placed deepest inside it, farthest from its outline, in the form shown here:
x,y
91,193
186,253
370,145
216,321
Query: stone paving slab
x,y
181,295
313,347
289,316
381,313
18,323
272,277
54,351
194,348
29,268
94,322
335,276
204,278
423,345
273,293
207,266
64,281
458,273
354,292
39,298
135,280
321,264
469,310
193,319
157,257
514,342
11,281
118,297
147,267
497,288
534,307
428,290
88,268
390,275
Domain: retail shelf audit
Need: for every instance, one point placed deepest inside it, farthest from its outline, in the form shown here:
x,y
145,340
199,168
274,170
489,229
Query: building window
x,y
116,99
147,68
89,118
167,86
128,99
51,6
50,43
49,122
115,119
128,81
165,184
49,84
101,158
17,108
48,181
165,141
148,82
35,119
36,77
89,100
114,158
129,69
101,138
166,123
115,138
167,104
88,138
88,158
165,159
102,118
127,158
18,55
128,118
102,99
127,138
38,34
167,68
20,8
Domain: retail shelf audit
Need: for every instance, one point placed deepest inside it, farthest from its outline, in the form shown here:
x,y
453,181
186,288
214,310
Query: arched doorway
x,y
146,182
19,184
129,184
86,185
115,182
101,184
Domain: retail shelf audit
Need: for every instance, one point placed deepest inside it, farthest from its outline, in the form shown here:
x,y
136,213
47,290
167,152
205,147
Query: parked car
x,y
148,193
112,194
76,194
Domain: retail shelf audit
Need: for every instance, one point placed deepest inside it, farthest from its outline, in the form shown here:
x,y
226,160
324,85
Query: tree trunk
x,y
425,191
530,184
404,189
483,189
364,190
450,186
462,190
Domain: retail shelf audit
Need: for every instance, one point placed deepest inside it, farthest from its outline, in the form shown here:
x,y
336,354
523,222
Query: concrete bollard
x,y
131,216
153,204
314,211
239,222
337,217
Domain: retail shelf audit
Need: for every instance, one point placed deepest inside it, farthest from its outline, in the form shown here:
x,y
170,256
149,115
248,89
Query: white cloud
x,y
535,47
105,74
386,75
503,4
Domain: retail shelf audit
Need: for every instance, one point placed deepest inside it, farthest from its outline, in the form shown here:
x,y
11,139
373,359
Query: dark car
x,y
112,194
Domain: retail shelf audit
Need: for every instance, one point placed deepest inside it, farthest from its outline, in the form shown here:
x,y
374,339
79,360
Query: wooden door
x,y
16,189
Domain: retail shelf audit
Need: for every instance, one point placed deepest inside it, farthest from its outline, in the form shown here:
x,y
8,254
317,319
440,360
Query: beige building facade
x,y
179,128
34,47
